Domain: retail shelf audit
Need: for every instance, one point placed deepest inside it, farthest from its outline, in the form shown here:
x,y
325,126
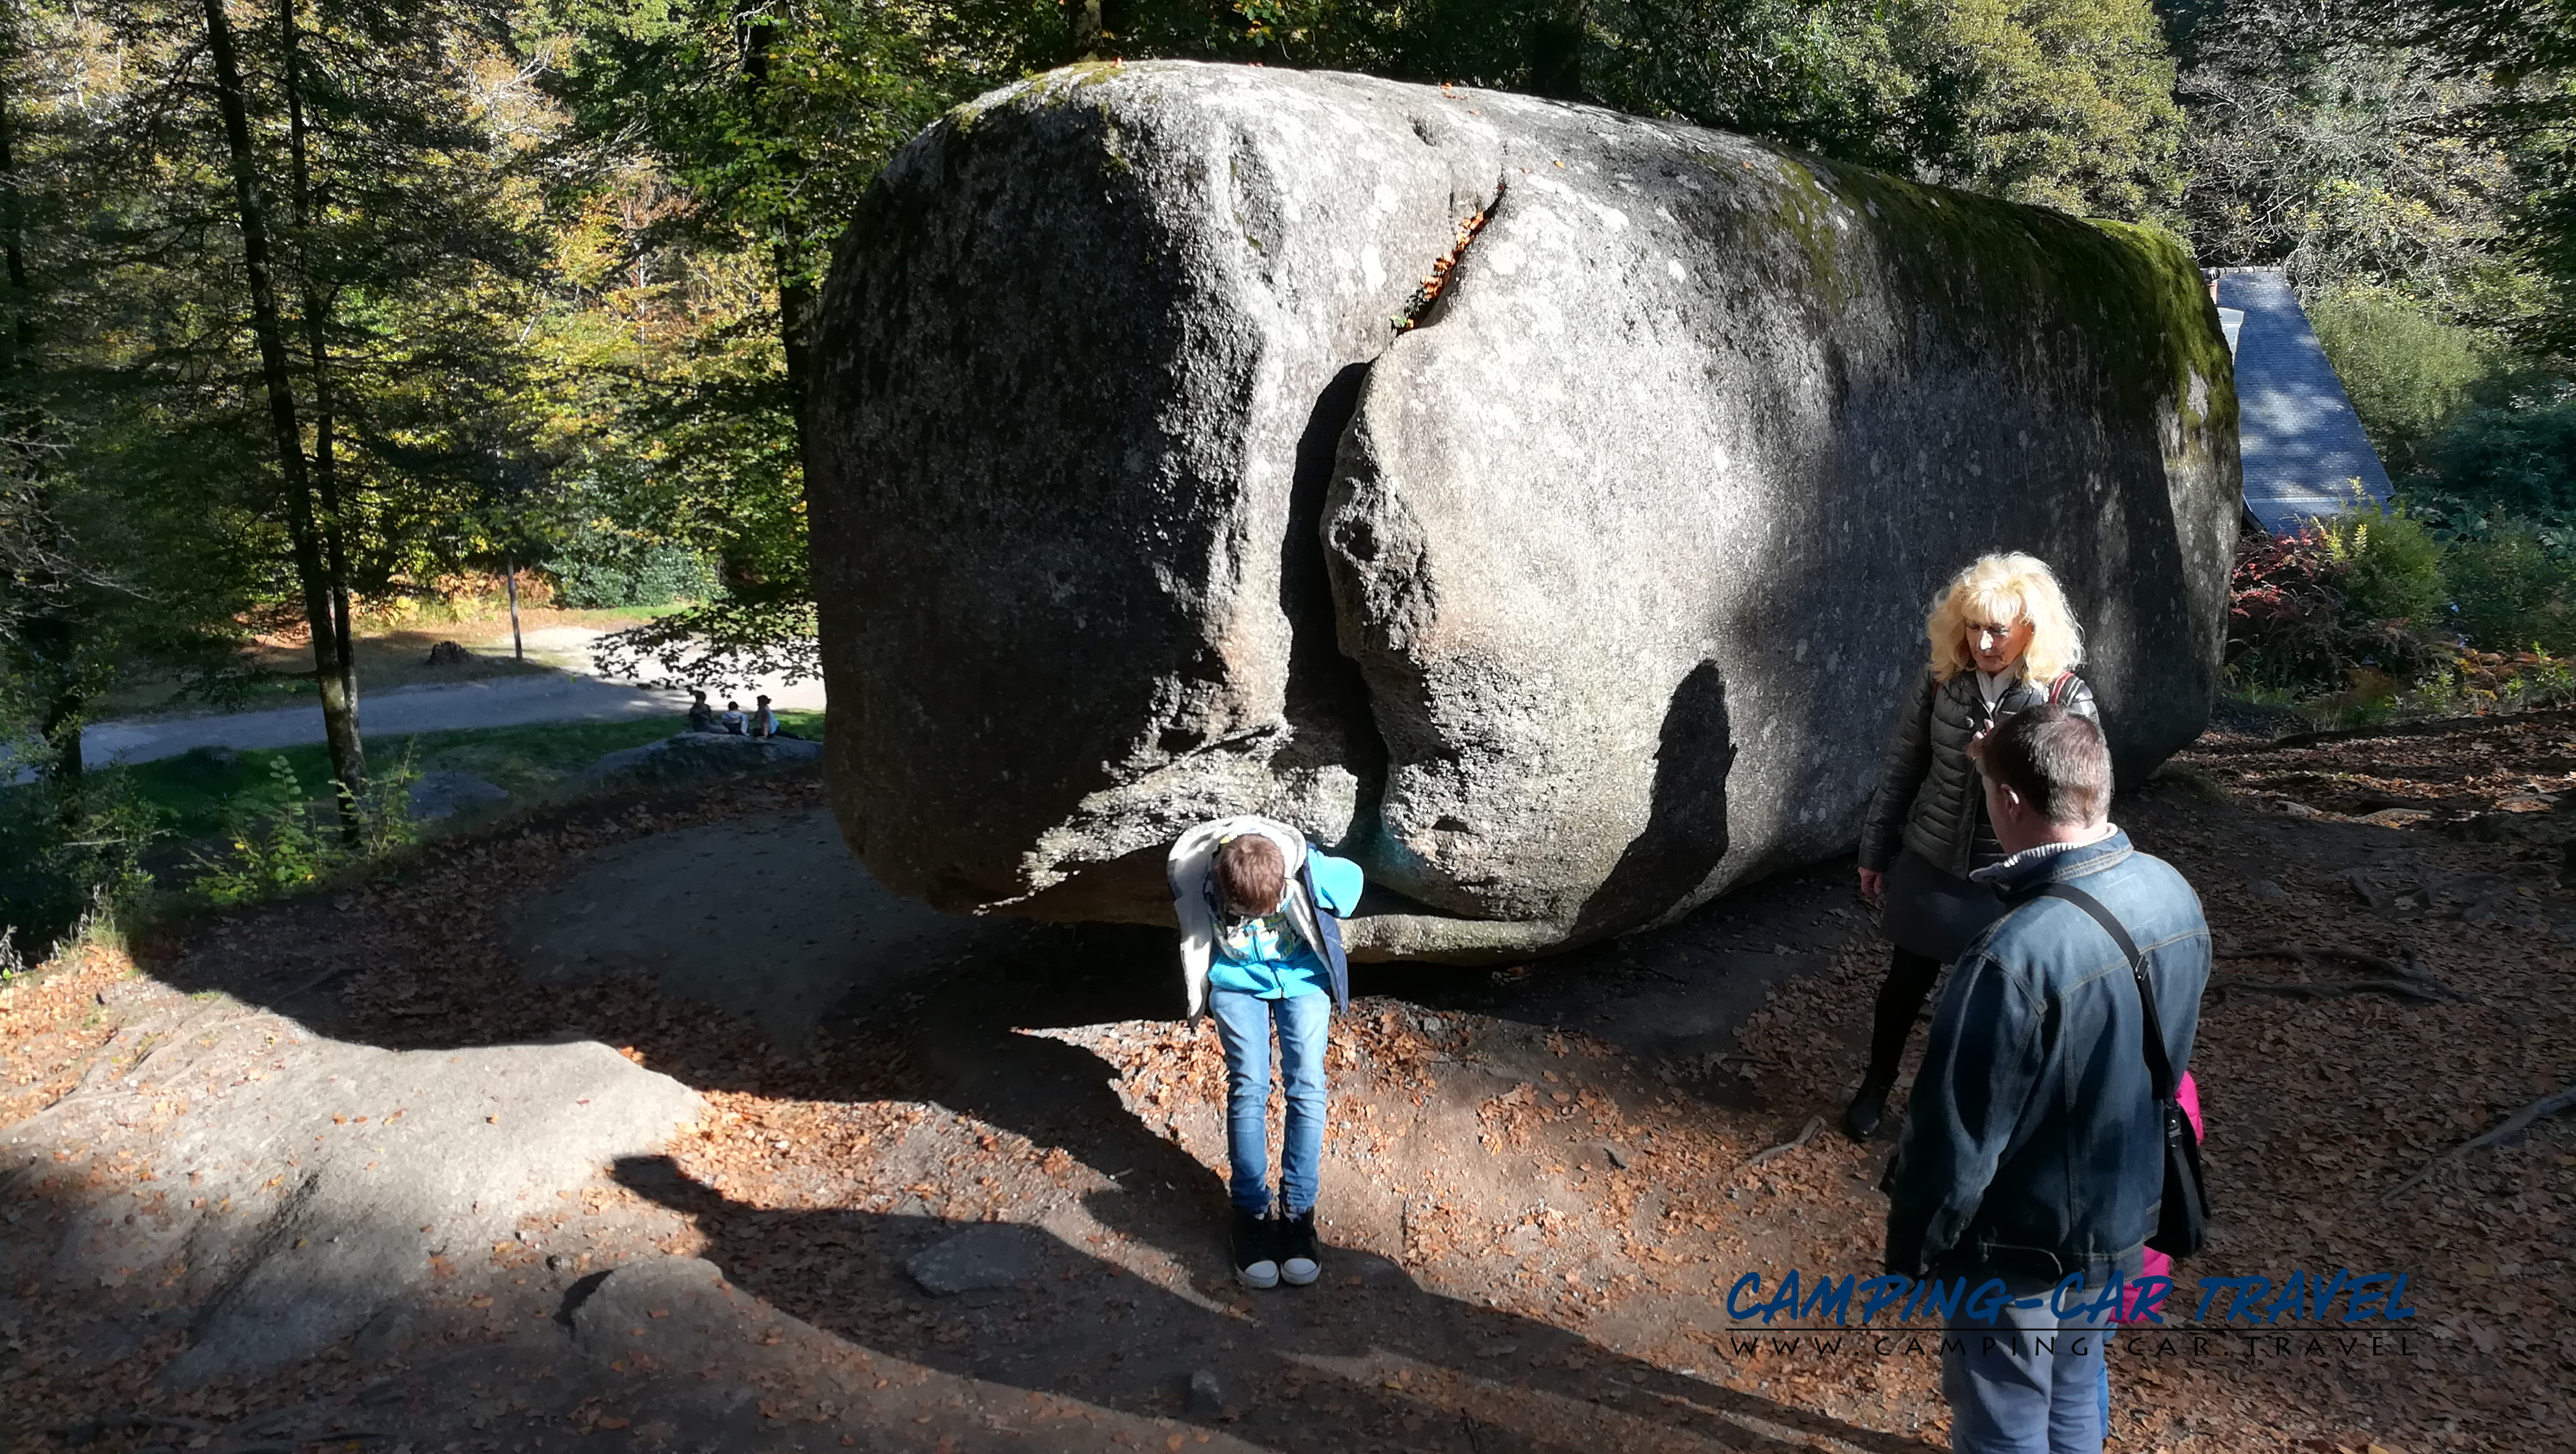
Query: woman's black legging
x,y
1909,982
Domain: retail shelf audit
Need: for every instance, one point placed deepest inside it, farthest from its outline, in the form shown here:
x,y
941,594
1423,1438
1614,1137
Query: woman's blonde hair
x,y
2008,587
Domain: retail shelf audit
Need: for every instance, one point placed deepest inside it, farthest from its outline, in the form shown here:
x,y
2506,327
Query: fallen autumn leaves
x,y
1571,1210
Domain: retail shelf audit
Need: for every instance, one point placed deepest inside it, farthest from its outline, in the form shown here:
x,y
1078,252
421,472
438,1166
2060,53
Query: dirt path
x,y
1540,1182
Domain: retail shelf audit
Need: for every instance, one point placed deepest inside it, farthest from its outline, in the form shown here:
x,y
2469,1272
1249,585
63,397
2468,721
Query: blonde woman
x,y
2003,641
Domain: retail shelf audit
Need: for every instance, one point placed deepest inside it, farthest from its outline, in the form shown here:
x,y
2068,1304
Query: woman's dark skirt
x,y
1932,913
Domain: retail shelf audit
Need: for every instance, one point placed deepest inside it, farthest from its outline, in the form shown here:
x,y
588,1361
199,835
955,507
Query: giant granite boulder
x,y
1533,502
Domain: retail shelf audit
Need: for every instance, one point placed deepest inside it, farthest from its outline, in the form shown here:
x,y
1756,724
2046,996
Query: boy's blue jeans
x,y
1243,1024
2027,1381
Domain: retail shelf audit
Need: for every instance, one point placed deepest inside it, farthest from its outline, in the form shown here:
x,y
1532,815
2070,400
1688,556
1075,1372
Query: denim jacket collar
x,y
2051,862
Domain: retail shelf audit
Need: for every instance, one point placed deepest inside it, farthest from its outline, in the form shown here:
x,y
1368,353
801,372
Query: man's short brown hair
x,y
1250,874
2056,761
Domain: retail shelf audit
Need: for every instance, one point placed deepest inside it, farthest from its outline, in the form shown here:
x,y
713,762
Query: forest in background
x,y
315,307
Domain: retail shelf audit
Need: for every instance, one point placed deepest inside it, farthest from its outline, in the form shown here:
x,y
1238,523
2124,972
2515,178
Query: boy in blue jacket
x,y
1261,948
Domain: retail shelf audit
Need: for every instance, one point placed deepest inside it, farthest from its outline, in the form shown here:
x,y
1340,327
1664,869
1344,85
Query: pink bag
x,y
2158,1264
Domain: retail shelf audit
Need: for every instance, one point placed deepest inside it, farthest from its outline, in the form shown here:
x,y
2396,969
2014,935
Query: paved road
x,y
496,702
576,696
2303,445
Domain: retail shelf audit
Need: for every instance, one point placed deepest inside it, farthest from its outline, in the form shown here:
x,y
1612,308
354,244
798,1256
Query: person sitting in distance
x,y
730,720
2003,640
702,718
762,722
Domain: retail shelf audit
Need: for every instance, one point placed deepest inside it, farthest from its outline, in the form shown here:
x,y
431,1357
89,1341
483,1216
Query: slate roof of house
x,y
2303,445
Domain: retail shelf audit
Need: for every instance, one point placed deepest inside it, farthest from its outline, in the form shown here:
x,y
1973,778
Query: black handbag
x,y
2182,1224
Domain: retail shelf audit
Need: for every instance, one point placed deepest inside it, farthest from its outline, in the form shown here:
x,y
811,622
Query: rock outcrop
x,y
690,757
325,1181
1535,503
446,793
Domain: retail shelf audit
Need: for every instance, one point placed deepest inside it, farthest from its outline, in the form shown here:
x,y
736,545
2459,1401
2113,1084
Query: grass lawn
x,y
201,795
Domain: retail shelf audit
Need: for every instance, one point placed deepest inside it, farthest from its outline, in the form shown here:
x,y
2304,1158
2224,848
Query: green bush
x,y
284,848
2509,461
603,571
2408,373
2512,592
2392,564
2295,628
69,853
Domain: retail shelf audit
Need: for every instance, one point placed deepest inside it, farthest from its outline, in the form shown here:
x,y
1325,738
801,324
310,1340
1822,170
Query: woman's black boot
x,y
1861,1117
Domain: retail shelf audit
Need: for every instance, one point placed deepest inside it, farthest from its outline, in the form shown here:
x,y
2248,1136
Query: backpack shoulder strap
x,y
2159,1064
2058,689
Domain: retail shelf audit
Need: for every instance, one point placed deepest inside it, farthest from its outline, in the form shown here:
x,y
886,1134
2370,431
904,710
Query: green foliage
x,y
207,793
716,150
2317,147
395,186
2064,103
775,116
281,849
604,571
275,853
2525,54
2509,461
2542,114
70,853
2390,566
2381,614
2512,591
2409,373
717,644
2307,612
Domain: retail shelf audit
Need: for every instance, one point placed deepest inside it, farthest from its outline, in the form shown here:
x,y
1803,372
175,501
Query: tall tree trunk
x,y
796,299
316,299
1087,25
49,639
22,327
795,325
339,712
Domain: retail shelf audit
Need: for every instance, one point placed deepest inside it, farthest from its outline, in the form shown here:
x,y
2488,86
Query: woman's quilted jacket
x,y
1932,798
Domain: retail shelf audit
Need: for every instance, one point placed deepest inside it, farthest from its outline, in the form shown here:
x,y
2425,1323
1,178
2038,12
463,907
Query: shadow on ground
x,y
1366,1356
945,1009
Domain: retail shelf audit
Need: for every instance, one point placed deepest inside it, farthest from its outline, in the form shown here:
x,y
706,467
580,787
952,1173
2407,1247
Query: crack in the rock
x,y
1361,714
1417,310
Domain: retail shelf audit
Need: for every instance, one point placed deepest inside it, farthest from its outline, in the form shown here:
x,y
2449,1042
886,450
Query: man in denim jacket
x,y
2032,1152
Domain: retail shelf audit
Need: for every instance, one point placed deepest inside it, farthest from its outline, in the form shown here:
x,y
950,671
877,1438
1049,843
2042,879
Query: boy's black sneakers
x,y
1256,1250
1297,1249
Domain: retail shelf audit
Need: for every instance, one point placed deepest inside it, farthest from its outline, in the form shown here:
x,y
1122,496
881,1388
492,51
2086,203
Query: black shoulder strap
x,y
2159,1064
